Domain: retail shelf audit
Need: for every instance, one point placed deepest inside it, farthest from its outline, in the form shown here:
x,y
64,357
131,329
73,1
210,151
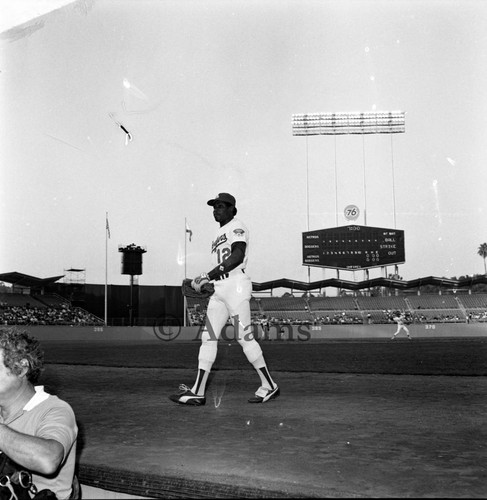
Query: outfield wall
x,y
288,333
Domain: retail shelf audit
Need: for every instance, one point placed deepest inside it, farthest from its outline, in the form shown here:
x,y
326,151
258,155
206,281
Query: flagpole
x,y
106,268
185,237
184,299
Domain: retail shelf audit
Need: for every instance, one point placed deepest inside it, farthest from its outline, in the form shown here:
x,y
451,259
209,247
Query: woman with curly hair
x,y
37,430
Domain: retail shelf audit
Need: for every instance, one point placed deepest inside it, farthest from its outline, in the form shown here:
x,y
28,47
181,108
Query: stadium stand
x,y
196,311
474,306
455,302
51,299
193,302
433,301
23,309
255,305
293,317
283,304
428,308
474,301
332,303
16,300
475,315
381,303
378,317
338,318
438,316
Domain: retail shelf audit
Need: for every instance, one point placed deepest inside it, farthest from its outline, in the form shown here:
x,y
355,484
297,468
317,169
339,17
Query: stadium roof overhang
x,y
359,285
24,280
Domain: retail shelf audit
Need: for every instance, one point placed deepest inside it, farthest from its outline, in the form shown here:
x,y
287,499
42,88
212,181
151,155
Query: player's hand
x,y
199,281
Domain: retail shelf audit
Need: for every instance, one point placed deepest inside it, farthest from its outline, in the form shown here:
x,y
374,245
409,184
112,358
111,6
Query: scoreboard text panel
x,y
353,247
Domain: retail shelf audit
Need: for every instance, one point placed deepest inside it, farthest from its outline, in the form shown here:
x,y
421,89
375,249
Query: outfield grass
x,y
417,357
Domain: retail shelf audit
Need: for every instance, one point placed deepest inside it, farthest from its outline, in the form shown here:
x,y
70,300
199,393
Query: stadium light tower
x,y
344,123
372,122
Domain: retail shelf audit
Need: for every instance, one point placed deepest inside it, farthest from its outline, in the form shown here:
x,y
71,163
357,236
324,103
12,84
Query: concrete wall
x,y
288,333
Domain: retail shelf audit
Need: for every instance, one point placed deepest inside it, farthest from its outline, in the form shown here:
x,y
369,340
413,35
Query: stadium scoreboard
x,y
353,247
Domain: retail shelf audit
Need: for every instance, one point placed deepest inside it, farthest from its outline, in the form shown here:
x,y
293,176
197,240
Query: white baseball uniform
x,y
231,299
400,320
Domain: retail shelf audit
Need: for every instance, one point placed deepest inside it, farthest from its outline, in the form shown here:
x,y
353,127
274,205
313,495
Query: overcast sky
x,y
207,90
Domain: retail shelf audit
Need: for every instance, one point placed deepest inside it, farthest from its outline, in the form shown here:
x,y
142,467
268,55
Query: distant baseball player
x,y
231,299
400,319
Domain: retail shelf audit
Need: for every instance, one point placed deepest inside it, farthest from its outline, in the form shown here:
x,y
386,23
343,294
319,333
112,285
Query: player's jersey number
x,y
222,254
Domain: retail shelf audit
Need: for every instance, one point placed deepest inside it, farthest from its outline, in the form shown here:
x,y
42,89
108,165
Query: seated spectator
x,y
38,431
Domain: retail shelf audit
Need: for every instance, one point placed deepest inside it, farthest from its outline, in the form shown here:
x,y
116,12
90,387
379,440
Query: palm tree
x,y
482,251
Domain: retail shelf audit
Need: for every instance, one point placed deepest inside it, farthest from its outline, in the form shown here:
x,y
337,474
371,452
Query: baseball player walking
x,y
231,299
400,319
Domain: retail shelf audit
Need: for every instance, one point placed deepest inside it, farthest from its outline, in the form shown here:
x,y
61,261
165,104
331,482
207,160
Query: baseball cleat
x,y
263,394
187,397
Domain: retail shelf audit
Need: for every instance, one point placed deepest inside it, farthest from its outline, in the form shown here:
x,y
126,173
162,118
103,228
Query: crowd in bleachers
x,y
309,310
339,318
476,316
196,316
48,315
268,311
439,317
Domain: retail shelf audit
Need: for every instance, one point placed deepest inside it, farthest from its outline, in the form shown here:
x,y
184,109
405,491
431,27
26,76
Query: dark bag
x,y
16,482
